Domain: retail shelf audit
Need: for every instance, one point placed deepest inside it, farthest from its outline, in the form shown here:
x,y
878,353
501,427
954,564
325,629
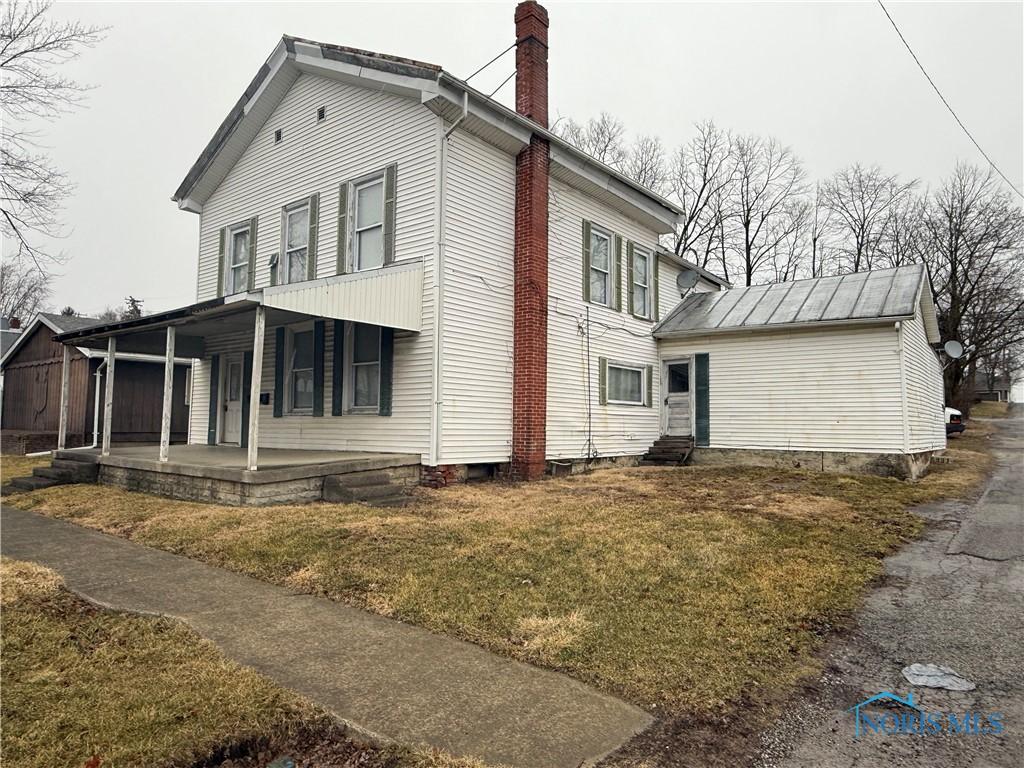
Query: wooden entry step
x,y
668,452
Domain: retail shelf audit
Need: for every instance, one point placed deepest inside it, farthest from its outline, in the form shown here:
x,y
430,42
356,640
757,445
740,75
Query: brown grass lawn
x,y
685,589
19,466
82,683
990,410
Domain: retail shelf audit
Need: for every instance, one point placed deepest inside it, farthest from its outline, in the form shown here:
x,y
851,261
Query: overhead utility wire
x,y
485,66
489,95
951,111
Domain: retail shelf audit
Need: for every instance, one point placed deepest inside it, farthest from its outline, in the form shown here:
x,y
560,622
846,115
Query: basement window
x,y
321,114
278,136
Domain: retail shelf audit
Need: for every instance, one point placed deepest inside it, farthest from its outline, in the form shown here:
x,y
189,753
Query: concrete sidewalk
x,y
385,678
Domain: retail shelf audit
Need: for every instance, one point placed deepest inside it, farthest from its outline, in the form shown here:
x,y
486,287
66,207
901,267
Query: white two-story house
x,y
392,262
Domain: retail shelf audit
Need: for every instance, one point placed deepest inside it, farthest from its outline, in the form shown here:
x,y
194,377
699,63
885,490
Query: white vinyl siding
x,y
825,389
367,131
617,429
926,418
480,240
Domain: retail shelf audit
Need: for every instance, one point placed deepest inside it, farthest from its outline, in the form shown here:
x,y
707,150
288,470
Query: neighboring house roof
x,y
61,324
440,91
680,261
876,296
7,337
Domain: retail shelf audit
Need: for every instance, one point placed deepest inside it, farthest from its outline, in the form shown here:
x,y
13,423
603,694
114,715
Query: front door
x,y
677,399
232,397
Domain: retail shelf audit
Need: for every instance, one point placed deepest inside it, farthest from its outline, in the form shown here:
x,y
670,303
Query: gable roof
x,y
878,296
439,91
63,323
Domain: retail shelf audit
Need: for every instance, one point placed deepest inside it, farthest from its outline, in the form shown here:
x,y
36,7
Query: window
x,y
365,366
300,376
625,385
237,277
368,237
321,114
641,283
600,267
678,378
296,245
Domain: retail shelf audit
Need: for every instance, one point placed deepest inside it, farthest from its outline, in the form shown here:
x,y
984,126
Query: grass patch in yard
x,y
989,409
81,683
686,589
20,466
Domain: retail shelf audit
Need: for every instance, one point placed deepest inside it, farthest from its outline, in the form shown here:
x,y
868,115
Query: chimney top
x,y
532,61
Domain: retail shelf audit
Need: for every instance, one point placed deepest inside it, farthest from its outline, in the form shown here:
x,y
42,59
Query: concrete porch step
x,y
340,489
78,457
34,483
80,473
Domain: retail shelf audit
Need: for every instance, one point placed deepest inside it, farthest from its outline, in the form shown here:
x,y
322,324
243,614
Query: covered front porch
x,y
315,334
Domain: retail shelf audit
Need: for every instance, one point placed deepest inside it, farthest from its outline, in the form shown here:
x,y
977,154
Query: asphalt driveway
x,y
955,598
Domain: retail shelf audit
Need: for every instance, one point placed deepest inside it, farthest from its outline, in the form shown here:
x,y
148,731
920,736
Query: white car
x,y
954,421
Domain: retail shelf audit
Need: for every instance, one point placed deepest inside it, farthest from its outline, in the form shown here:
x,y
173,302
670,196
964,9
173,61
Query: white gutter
x,y
749,329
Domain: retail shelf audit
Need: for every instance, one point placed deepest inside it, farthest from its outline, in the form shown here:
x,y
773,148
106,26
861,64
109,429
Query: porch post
x,y
165,419
108,398
254,391
65,387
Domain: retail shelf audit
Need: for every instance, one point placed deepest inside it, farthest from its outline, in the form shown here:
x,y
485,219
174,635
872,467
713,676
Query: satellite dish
x,y
685,280
954,349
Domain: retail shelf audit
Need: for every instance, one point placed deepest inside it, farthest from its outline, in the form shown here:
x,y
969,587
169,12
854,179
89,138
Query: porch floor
x,y
227,462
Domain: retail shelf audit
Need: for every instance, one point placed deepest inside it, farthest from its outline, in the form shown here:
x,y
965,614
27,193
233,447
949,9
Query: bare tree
x,y
109,315
644,163
818,233
701,173
769,177
788,257
32,47
24,290
902,239
602,138
973,244
861,199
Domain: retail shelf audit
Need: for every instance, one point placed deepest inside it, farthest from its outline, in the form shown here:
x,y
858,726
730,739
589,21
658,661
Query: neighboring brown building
x,y
31,371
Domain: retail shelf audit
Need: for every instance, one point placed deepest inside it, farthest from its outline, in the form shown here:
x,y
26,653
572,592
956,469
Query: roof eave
x,y
810,324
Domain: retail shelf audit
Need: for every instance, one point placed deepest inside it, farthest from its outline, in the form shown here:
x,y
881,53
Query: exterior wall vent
x,y
278,136
321,114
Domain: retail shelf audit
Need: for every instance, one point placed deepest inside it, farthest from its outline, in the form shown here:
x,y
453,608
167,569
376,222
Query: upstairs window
x,y
368,245
641,283
237,277
296,246
600,267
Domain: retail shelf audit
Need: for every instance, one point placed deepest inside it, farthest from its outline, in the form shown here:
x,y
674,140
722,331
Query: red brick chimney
x,y
530,333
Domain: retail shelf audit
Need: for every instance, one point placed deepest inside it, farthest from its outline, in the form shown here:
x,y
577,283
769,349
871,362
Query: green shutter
x,y
602,380
338,368
342,265
649,373
387,367
586,260
616,302
702,405
275,264
390,195
314,214
222,239
253,223
211,424
279,371
629,274
655,314
246,395
318,367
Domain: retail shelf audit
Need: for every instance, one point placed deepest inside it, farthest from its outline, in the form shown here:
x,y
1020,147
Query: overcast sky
x,y
831,80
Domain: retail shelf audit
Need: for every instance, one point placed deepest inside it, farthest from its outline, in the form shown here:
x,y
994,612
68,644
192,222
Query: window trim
x,y
349,371
646,254
641,369
598,231
284,262
370,179
289,356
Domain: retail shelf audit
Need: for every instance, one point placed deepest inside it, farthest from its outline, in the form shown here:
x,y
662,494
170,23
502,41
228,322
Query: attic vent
x,y
321,114
277,136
